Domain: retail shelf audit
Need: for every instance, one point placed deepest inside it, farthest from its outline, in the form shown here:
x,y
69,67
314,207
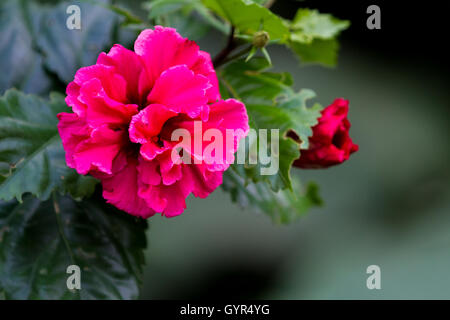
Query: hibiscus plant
x,y
105,124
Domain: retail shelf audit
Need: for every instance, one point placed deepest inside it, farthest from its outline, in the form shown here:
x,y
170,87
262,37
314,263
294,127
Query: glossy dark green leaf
x,y
21,64
31,155
36,47
68,50
39,240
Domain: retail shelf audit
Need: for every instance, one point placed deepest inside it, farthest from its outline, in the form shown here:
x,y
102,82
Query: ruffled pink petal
x,y
151,149
148,123
127,64
231,119
169,200
227,120
73,92
112,83
181,90
175,195
98,151
203,181
170,168
151,195
73,131
163,48
205,67
121,190
148,172
101,108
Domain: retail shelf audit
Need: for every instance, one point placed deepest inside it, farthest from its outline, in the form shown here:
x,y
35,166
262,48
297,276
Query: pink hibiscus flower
x,y
126,108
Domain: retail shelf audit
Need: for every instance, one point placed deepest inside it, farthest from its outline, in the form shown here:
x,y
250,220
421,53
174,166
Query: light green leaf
x,y
250,83
310,24
31,152
39,240
313,36
249,17
324,52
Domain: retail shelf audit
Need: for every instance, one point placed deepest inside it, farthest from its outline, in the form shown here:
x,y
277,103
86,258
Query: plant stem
x,y
222,55
235,56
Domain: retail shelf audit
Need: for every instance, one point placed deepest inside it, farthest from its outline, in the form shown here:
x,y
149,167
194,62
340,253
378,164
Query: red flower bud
x,y
330,143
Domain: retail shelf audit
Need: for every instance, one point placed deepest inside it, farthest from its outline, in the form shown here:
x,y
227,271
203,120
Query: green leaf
x,y
183,18
271,103
313,36
162,7
128,17
324,52
21,65
271,99
190,17
249,17
68,50
36,47
31,152
251,84
283,206
310,24
39,240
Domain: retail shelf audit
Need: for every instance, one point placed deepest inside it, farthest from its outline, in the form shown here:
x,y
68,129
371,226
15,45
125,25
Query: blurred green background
x,y
388,205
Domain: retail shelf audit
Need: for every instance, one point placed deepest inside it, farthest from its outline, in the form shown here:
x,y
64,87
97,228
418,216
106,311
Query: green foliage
x,y
31,154
317,51
39,240
190,17
36,44
310,24
271,104
21,65
313,36
249,17
68,50
283,206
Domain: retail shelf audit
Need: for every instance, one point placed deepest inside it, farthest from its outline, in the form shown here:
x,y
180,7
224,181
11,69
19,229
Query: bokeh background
x,y
388,205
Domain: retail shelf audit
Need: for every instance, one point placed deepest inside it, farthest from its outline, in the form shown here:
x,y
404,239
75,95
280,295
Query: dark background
x,y
410,30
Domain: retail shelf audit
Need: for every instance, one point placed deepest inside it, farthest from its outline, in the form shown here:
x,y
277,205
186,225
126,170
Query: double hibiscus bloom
x,y
126,108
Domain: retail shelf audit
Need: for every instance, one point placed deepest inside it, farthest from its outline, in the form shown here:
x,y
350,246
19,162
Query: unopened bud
x,y
260,39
